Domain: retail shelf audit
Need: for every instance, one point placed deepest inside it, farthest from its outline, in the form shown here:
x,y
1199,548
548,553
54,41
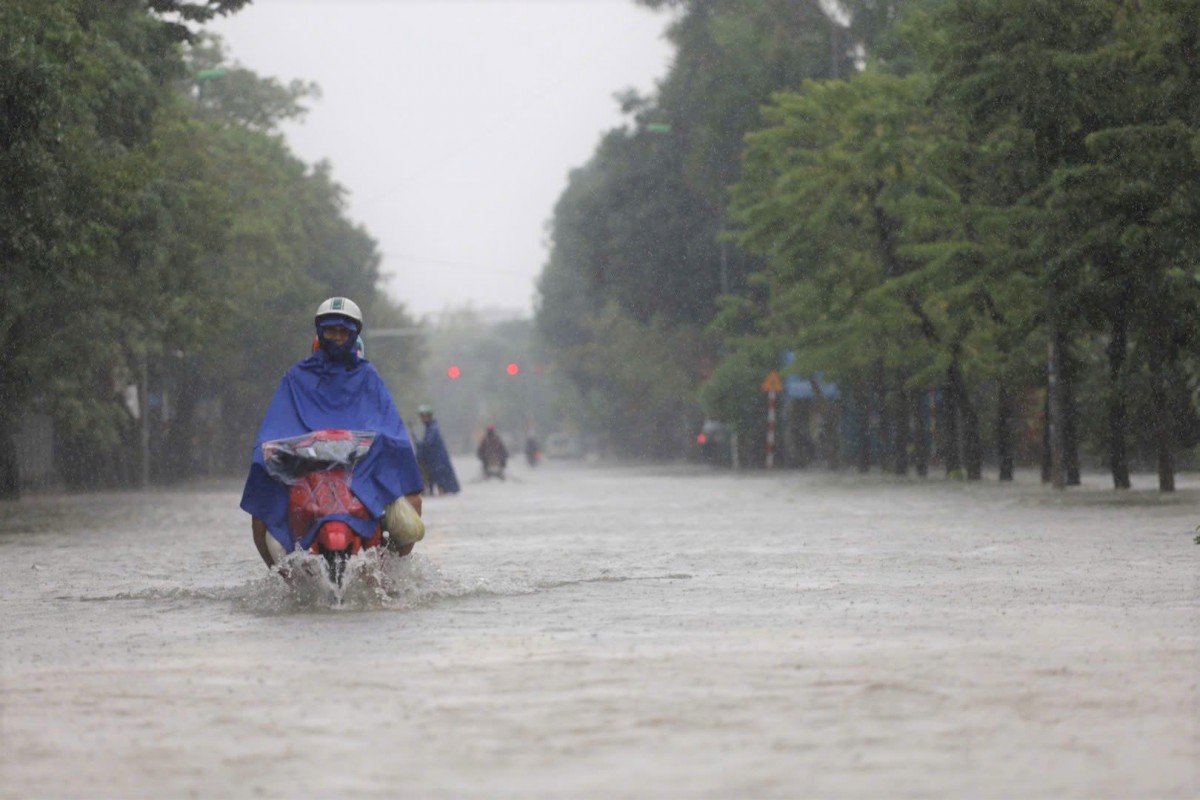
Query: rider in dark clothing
x,y
492,453
532,451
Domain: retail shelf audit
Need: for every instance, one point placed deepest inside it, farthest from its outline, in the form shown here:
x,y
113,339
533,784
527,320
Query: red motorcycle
x,y
324,516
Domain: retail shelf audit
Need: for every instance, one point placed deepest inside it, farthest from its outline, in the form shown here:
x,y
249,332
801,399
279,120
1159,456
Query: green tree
x,y
833,189
287,244
638,381
154,234
1130,213
1105,97
640,226
79,83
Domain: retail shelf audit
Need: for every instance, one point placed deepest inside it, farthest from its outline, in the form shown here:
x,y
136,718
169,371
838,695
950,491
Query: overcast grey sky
x,y
454,123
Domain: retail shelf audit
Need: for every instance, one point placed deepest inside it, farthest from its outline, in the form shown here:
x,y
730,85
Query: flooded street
x,y
615,632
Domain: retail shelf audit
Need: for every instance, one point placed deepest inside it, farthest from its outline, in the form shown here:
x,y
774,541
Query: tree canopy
x,y
950,208
155,232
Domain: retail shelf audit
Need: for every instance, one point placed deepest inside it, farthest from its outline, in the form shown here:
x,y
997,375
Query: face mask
x,y
345,353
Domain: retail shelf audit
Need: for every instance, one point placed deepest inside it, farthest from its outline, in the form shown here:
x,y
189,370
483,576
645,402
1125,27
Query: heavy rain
x,y
826,423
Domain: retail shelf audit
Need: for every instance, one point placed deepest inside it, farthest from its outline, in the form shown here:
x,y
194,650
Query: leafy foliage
x,y
981,178
156,231
638,236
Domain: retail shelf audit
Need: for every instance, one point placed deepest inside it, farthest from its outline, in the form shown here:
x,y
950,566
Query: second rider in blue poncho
x,y
334,388
434,458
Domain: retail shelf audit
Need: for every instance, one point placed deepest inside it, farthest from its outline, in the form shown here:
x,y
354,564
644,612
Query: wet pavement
x,y
601,631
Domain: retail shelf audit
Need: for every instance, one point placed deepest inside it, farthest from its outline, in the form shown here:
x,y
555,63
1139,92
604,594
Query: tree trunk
x,y
972,446
177,453
863,409
920,412
901,420
972,450
830,433
1004,430
884,434
1163,424
1047,443
1070,428
1118,415
949,429
1056,407
10,474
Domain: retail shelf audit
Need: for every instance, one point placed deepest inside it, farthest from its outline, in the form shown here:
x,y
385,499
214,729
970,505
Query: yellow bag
x,y
403,522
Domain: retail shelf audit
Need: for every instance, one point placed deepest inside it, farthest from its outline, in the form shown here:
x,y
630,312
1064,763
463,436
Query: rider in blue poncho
x,y
434,458
334,388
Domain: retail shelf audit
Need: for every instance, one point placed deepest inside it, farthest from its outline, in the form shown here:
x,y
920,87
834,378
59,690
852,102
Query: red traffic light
x,y
453,373
701,438
513,368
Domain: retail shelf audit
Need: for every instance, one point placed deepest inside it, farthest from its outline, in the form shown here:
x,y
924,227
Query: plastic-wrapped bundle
x,y
401,520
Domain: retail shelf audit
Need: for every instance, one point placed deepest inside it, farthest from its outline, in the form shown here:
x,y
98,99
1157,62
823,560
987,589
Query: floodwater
x,y
603,632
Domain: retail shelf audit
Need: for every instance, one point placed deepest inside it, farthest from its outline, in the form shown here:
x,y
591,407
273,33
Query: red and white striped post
x,y
770,430
772,385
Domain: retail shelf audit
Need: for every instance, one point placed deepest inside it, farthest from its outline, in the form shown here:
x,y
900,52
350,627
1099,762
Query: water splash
x,y
373,581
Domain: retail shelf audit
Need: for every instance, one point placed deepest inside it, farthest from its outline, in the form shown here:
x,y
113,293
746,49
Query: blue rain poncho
x,y
321,393
432,453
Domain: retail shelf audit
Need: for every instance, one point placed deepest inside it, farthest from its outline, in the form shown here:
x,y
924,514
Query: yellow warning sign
x,y
773,382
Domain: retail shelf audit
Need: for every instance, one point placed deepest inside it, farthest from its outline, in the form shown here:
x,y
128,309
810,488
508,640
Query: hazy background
x,y
452,116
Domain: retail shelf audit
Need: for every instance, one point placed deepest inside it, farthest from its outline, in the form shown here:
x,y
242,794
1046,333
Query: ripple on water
x,y
372,582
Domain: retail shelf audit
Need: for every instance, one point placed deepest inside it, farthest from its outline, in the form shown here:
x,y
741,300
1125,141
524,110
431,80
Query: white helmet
x,y
340,307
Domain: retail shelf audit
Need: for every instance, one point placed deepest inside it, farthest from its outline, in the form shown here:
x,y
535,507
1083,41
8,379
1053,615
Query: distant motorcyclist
x,y
334,388
434,457
532,451
492,453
